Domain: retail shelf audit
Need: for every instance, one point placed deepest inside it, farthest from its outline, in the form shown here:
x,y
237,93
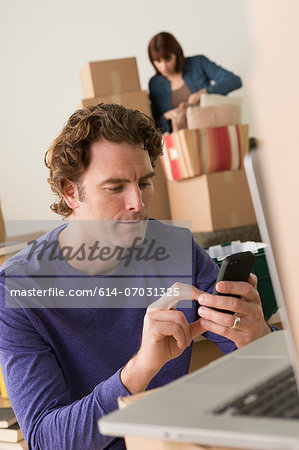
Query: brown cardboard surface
x,y
215,201
100,78
132,100
244,143
203,352
160,208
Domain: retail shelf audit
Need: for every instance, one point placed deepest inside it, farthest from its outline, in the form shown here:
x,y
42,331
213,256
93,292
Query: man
x,y
65,357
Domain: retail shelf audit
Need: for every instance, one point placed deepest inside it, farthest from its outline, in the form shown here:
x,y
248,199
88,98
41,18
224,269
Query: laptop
x,y
247,399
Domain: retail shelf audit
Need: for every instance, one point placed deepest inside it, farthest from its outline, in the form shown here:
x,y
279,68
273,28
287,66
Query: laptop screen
x,y
255,180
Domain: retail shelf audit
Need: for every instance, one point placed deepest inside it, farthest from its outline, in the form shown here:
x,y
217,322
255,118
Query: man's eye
x,y
115,189
143,185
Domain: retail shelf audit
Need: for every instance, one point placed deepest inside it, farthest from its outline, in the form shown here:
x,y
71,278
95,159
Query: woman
x,y
181,80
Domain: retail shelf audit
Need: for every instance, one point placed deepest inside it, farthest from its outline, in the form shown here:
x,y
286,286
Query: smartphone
x,y
235,267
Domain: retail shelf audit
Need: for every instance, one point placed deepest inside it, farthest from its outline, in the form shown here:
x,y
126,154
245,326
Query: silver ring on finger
x,y
237,323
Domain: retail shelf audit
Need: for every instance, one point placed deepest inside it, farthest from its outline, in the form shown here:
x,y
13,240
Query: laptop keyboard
x,y
277,397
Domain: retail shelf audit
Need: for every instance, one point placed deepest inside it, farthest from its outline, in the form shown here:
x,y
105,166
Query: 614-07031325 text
x,y
100,291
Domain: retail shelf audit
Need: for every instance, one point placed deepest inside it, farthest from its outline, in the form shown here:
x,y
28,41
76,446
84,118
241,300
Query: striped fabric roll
x,y
188,153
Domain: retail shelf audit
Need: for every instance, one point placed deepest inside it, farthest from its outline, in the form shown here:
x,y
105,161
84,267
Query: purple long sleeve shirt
x,y
61,356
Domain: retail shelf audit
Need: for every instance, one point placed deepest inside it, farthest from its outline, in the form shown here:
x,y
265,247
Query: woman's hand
x,y
177,117
195,97
171,114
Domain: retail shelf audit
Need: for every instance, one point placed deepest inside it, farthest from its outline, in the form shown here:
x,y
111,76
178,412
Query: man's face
x,y
117,189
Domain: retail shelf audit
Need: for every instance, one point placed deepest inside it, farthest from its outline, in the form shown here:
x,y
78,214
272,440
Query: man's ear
x,y
70,194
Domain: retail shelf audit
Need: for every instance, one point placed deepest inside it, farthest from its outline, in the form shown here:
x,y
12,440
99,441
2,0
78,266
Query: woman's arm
x,y
162,123
224,80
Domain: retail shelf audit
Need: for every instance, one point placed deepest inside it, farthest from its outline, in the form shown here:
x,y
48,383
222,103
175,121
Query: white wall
x,y
274,96
45,43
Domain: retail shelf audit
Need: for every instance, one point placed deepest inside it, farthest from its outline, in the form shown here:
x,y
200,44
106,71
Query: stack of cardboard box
x,y
206,178
117,81
113,81
215,201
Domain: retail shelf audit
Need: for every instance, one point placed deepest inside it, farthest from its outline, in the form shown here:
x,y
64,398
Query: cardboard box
x,y
99,78
140,443
132,100
160,208
204,352
215,201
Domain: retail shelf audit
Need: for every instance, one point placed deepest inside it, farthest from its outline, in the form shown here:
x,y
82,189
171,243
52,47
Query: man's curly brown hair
x,y
69,155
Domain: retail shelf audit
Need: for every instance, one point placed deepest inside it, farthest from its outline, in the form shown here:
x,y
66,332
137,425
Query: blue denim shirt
x,y
198,73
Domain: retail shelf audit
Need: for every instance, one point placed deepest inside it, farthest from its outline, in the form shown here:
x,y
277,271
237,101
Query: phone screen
x,y
235,267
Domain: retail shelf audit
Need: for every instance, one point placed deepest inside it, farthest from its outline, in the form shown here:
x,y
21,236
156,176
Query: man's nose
x,y
134,201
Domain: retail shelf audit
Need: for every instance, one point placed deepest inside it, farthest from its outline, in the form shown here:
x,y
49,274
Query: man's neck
x,y
86,251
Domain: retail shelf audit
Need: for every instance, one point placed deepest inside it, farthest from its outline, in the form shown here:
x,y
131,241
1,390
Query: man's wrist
x,y
136,376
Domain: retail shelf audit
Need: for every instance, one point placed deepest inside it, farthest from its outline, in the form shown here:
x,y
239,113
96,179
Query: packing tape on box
x,y
115,98
235,219
115,82
228,177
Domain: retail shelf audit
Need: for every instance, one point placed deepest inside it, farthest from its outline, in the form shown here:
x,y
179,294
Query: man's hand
x,y
248,308
194,98
166,334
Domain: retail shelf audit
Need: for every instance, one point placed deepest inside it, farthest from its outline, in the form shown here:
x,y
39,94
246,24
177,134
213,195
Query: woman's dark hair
x,y
161,46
